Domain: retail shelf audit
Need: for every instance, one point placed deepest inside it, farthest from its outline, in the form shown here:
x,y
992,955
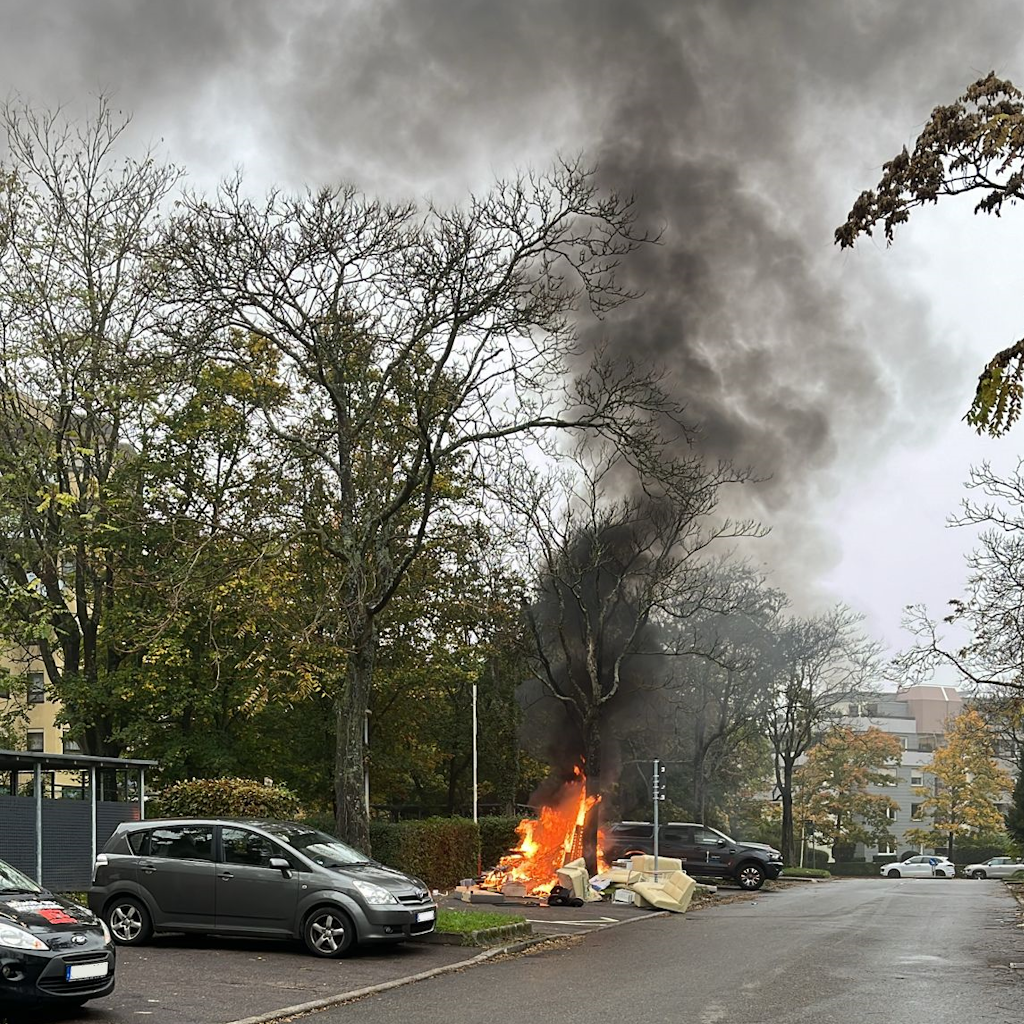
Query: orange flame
x,y
547,842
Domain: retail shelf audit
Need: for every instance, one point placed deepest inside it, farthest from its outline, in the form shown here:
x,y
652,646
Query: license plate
x,y
80,972
425,915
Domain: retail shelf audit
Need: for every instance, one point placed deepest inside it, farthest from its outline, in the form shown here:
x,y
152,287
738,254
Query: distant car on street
x,y
995,867
922,866
51,949
273,879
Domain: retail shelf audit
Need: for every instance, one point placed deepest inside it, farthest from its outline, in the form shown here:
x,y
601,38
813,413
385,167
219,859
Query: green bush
x,y
974,849
441,851
224,798
805,873
498,836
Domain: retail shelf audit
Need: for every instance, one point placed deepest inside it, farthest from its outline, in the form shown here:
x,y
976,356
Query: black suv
x,y
703,850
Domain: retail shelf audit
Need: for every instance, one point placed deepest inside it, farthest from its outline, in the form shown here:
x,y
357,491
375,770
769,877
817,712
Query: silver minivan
x,y
255,877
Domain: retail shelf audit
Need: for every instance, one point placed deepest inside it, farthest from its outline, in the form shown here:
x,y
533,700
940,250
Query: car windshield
x,y
318,846
12,880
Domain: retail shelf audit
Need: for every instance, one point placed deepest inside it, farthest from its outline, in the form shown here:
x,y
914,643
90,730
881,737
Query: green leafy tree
x,y
413,343
968,785
836,786
1015,813
975,145
81,366
454,627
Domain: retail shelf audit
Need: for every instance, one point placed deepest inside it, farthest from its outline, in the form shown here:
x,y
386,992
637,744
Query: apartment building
x,y
25,687
917,716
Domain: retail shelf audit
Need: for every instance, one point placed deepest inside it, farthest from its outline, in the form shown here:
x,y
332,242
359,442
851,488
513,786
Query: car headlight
x,y
106,932
14,937
375,894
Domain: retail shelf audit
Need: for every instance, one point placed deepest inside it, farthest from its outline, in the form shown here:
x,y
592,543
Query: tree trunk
x,y
592,768
789,852
350,707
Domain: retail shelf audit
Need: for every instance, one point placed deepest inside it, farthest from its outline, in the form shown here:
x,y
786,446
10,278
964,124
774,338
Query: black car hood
x,y
50,917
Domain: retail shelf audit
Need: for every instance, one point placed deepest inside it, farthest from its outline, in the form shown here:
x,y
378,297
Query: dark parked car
x,y
254,877
703,850
51,949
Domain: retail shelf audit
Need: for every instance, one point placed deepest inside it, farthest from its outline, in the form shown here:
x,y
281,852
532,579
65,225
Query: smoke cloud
x,y
744,129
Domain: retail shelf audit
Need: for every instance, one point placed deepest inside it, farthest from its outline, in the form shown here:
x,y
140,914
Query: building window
x,y
36,688
71,746
34,742
915,812
916,779
890,813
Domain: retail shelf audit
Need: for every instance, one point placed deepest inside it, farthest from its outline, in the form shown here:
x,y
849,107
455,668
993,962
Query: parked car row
x,y
254,877
920,867
928,866
995,867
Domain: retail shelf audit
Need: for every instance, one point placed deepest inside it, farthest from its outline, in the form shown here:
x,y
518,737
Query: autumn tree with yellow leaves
x,y
968,784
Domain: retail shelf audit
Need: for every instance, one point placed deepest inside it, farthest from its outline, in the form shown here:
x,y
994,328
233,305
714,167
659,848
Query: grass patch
x,y
463,922
805,873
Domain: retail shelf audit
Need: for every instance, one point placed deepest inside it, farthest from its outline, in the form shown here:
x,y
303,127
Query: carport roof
x,y
26,760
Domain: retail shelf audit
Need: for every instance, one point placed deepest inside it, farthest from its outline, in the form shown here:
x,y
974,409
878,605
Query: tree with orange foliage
x,y
834,786
968,784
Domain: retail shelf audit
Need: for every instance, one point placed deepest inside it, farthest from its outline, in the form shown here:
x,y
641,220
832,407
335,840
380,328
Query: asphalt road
x,y
871,951
914,951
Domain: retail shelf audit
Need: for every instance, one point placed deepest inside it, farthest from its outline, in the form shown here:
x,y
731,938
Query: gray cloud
x,y
744,128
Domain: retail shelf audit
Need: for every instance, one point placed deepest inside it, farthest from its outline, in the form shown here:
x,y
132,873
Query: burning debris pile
x,y
548,864
547,845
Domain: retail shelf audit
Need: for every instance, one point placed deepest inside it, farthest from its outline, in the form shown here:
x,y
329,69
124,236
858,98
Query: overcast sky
x,y
746,129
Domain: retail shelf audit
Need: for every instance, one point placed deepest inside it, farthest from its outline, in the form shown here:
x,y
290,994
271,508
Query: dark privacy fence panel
x,y
67,837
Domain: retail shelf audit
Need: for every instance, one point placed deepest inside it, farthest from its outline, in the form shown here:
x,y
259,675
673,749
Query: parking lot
x,y
190,980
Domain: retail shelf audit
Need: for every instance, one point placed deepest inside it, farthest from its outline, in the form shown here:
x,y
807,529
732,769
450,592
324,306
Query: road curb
x,y
488,954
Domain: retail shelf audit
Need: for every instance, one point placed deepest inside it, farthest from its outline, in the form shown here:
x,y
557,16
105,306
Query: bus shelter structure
x,y
52,830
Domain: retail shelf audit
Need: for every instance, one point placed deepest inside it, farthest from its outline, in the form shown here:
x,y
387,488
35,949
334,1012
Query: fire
x,y
547,842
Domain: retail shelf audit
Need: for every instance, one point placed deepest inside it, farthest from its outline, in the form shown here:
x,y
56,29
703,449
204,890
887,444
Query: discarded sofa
x,y
672,891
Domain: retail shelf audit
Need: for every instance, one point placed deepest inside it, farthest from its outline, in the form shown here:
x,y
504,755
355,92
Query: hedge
x,y
441,851
224,798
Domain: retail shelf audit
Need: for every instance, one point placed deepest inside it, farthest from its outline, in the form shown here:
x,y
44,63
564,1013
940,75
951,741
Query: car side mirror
x,y
721,842
281,864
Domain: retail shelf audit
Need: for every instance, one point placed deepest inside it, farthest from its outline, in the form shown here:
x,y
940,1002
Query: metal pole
x,y
475,758
657,795
39,822
92,811
142,794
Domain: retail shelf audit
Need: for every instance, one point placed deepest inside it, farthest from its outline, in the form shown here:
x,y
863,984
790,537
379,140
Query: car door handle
x,y
146,867
227,875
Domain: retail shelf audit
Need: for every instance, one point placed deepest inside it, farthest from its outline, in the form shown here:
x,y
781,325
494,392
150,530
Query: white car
x,y
923,866
995,867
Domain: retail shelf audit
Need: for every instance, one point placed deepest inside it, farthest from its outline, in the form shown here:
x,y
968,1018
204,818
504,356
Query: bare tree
x,y
411,343
606,566
818,664
720,693
991,660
